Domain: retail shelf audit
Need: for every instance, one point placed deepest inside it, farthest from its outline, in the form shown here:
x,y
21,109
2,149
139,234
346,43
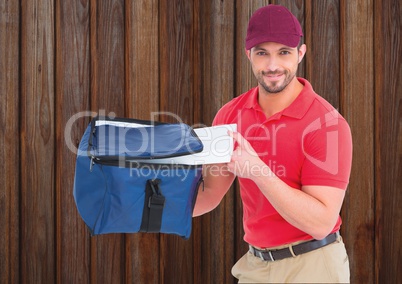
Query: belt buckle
x,y
262,257
270,255
259,253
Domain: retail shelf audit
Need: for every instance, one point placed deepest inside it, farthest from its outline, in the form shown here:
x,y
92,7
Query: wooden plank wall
x,y
357,104
388,140
10,16
62,62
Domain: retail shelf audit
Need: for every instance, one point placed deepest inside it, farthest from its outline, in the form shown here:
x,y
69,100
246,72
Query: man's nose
x,y
271,64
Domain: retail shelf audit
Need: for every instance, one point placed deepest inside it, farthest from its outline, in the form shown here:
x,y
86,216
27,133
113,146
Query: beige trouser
x,y
329,264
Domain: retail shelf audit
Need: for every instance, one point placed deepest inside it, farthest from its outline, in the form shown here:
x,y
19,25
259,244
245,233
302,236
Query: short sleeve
x,y
327,149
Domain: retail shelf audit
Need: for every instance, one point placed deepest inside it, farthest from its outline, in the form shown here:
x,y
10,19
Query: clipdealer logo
x,y
330,164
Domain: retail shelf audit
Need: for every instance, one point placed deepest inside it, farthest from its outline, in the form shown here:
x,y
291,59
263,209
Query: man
x,y
292,158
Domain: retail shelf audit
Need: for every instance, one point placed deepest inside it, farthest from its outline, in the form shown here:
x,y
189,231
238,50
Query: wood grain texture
x,y
176,60
388,139
107,57
37,142
176,97
142,100
213,88
107,98
9,141
73,115
142,56
357,106
323,50
62,61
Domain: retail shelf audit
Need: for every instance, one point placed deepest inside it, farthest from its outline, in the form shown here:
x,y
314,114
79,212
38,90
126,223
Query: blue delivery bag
x,y
117,188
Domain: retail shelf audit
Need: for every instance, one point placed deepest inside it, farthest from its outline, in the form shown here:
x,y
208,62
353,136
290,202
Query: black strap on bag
x,y
153,207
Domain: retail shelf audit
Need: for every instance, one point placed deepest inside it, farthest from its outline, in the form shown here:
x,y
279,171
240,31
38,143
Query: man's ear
x,y
302,51
247,53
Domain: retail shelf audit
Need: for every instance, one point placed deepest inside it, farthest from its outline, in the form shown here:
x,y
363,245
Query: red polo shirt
x,y
307,143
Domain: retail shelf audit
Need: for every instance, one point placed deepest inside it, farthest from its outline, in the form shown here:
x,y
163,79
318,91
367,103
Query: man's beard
x,y
275,87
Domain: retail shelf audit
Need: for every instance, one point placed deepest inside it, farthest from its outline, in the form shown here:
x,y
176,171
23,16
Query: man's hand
x,y
245,162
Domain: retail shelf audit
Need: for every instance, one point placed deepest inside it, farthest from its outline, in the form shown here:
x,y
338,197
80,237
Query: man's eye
x,y
285,52
260,53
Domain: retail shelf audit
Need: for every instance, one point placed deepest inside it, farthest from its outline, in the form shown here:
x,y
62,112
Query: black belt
x,y
273,255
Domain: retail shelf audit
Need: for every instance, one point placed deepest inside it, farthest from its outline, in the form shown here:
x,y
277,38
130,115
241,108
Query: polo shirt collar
x,y
297,109
252,100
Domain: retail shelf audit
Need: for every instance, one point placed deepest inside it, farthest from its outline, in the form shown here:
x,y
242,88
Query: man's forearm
x,y
217,181
300,209
206,201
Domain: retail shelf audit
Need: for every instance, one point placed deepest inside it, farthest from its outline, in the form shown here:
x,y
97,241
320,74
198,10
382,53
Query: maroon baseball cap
x,y
273,23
